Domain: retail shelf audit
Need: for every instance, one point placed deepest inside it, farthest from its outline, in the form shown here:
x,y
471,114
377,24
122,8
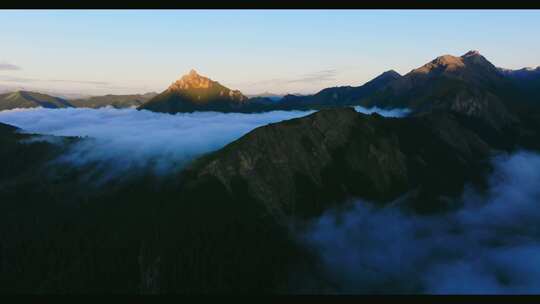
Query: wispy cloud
x,y
310,78
489,246
27,80
103,83
8,67
324,75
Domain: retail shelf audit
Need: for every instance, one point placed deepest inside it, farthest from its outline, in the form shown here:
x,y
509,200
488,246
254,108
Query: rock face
x,y
26,99
469,85
302,166
194,92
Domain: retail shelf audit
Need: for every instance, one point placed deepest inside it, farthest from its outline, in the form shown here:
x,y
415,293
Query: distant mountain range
x,y
187,95
528,79
116,101
267,95
468,84
340,96
25,99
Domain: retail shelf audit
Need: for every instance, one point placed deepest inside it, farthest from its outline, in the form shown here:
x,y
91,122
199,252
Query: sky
x,y
95,52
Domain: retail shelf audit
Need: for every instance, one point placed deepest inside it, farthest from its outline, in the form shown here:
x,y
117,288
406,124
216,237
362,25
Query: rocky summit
x,y
468,84
193,92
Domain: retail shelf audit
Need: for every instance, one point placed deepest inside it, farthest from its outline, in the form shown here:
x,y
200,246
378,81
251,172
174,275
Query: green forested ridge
x,y
116,101
26,99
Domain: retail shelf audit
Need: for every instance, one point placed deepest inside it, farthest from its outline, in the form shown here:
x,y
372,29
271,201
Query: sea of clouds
x,y
491,245
127,139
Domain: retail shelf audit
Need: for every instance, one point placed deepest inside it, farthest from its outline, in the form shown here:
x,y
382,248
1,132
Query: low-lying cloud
x,y
130,139
491,245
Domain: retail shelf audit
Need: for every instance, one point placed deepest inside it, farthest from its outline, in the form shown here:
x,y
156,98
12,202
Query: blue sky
x,y
135,51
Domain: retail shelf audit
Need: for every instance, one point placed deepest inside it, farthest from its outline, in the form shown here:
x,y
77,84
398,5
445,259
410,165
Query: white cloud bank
x,y
491,245
127,138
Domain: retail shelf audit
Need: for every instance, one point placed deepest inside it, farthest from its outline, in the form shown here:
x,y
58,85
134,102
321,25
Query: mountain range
x,y
467,84
25,99
227,222
116,101
28,99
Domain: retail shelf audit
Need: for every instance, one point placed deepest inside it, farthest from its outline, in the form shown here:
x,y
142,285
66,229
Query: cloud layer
x,y
8,67
492,245
127,139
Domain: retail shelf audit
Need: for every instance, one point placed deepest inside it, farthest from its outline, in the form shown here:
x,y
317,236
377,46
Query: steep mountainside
x,y
469,84
62,233
116,101
194,92
302,166
26,99
222,225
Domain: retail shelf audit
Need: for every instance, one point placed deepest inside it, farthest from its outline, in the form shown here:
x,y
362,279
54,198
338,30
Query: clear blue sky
x,y
97,52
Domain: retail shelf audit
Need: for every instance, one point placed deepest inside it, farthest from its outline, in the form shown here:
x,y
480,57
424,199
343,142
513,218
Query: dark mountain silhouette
x,y
26,99
60,233
266,95
339,96
527,80
522,74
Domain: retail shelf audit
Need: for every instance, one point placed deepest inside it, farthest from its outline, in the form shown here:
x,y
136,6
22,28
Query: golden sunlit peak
x,y
192,80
